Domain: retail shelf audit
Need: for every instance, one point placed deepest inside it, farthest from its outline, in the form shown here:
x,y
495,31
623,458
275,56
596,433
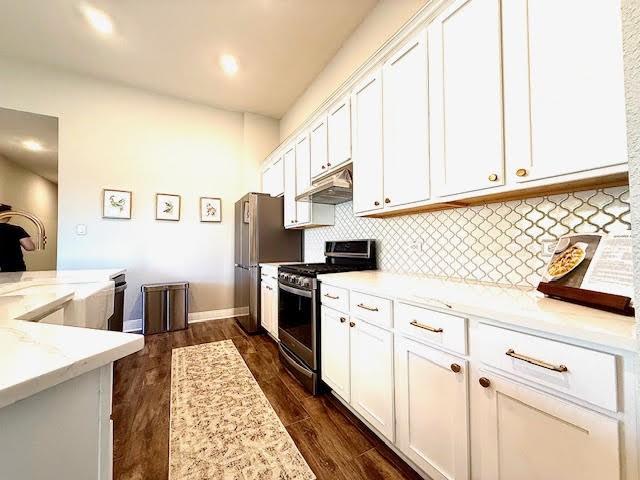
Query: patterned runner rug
x,y
222,425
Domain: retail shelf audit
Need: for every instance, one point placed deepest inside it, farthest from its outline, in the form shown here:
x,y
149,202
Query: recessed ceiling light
x,y
98,19
229,64
32,145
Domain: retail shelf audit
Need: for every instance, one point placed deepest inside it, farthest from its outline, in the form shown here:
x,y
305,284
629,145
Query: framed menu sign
x,y
592,269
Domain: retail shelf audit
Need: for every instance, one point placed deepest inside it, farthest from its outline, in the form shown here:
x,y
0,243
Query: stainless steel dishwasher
x,y
165,307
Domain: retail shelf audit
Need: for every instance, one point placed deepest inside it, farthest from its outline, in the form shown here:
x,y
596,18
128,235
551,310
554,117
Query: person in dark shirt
x,y
12,240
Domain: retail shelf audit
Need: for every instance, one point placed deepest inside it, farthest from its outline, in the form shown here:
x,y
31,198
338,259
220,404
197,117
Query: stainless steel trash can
x,y
165,307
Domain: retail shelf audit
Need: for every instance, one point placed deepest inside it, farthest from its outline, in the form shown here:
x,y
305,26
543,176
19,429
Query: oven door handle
x,y
295,291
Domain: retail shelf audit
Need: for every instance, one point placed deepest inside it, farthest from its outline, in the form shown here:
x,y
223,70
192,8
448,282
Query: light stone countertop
x,y
525,308
35,356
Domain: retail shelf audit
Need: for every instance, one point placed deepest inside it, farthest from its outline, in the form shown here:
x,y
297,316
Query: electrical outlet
x,y
548,247
416,246
81,229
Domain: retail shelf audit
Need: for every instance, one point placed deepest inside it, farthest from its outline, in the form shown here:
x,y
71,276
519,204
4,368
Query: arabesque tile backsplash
x,y
498,242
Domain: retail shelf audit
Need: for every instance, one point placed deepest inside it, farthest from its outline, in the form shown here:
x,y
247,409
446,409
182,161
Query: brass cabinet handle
x,y
376,203
455,368
493,177
371,309
342,319
387,200
484,382
268,287
331,296
415,323
352,324
533,361
521,172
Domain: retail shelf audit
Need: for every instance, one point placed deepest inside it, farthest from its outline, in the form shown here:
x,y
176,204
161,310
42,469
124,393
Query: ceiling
x,y
173,46
17,127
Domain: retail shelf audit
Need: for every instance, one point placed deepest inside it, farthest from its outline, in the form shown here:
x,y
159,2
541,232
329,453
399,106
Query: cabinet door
x,y
339,133
530,435
366,104
372,375
277,177
564,87
334,352
318,139
303,178
265,307
431,409
267,180
405,112
465,92
290,186
274,310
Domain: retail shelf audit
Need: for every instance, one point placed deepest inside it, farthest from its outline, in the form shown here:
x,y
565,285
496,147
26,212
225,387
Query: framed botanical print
x,y
116,204
210,209
167,207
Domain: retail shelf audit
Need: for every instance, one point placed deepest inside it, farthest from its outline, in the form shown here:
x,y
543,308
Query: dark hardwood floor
x,y
335,444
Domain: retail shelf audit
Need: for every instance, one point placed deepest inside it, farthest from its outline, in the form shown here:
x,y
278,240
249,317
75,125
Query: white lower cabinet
x,y
431,409
334,352
269,306
357,363
372,375
528,435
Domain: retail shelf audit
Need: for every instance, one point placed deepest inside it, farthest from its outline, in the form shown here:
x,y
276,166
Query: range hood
x,y
332,190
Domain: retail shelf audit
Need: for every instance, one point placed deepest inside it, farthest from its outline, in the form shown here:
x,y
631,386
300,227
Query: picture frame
x,y
210,210
116,204
168,207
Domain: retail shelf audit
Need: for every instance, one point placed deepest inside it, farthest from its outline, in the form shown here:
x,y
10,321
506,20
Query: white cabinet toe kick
x,y
460,397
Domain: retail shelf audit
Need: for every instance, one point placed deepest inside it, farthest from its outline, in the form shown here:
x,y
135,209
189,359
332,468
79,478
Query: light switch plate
x,y
81,229
548,247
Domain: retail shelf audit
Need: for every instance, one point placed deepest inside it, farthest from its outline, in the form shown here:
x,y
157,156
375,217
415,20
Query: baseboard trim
x,y
135,325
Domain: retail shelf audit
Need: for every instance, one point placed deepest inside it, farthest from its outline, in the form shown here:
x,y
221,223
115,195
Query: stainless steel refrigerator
x,y
260,237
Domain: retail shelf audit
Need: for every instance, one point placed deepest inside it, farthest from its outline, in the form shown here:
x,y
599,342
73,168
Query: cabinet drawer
x,y
373,309
576,371
430,326
334,297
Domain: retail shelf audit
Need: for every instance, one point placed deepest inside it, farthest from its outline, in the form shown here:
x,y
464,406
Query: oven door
x,y
297,322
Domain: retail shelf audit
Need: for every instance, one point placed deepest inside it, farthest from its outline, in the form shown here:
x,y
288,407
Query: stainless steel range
x,y
299,310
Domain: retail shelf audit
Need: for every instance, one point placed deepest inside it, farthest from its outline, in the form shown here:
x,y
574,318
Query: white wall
x,y
124,138
24,190
383,21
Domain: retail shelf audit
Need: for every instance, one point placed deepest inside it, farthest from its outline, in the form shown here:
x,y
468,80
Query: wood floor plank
x,y
335,443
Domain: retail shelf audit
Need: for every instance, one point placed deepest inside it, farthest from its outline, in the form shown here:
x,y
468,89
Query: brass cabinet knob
x,y
484,382
352,324
328,164
376,203
455,368
493,177
387,200
323,167
342,319
521,172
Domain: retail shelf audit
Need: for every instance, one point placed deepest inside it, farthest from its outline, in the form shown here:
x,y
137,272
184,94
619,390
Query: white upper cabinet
x,y
564,87
290,185
303,177
366,102
273,178
339,133
465,91
405,118
318,140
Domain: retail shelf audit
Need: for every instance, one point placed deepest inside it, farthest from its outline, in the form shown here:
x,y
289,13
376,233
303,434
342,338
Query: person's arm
x,y
27,244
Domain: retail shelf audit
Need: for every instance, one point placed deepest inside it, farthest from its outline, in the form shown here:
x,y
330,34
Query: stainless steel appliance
x,y
299,305
165,307
260,237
